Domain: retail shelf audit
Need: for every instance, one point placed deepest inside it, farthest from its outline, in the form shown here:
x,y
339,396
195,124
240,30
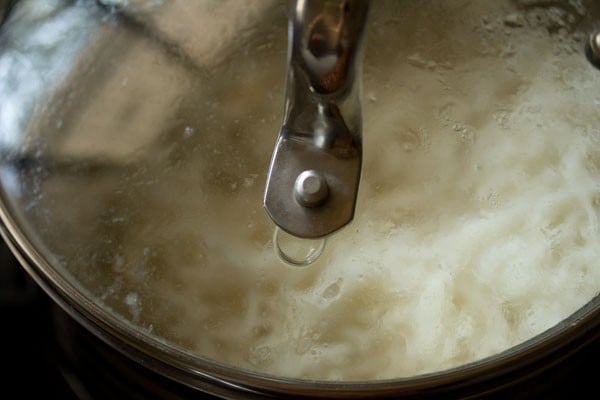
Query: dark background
x,y
30,356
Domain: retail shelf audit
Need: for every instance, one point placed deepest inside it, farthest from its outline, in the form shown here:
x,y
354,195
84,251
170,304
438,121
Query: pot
x,y
136,141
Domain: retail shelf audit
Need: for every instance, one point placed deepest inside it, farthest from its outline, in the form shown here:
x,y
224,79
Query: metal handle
x,y
314,174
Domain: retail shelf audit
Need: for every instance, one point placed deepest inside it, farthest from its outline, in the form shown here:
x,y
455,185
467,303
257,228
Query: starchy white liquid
x,y
476,229
477,224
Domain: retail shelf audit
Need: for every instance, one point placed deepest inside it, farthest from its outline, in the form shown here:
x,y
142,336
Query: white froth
x,y
476,228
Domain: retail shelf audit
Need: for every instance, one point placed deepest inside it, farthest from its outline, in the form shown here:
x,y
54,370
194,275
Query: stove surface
x,y
30,354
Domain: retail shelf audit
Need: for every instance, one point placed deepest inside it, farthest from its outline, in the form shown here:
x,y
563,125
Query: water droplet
x,y
298,252
332,291
118,263
409,140
514,20
188,131
133,302
249,181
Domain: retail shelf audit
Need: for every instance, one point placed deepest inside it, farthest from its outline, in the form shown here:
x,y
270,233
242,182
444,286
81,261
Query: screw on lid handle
x,y
321,130
593,49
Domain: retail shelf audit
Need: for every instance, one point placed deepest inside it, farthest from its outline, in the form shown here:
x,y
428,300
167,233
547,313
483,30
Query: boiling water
x,y
477,225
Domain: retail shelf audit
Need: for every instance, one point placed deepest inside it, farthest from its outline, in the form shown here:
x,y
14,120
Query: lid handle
x,y
312,183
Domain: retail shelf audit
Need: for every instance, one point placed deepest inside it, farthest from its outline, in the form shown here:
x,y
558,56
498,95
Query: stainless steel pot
x,y
136,136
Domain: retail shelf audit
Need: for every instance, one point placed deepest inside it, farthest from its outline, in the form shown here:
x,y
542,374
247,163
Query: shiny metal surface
x,y
593,49
322,118
311,189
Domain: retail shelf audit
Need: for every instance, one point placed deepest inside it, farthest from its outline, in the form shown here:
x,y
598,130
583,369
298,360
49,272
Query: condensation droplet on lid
x,y
296,251
249,181
118,262
131,299
409,140
515,20
332,291
188,131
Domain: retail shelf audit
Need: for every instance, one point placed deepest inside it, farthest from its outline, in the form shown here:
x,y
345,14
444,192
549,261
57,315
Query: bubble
x,y
332,291
298,252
